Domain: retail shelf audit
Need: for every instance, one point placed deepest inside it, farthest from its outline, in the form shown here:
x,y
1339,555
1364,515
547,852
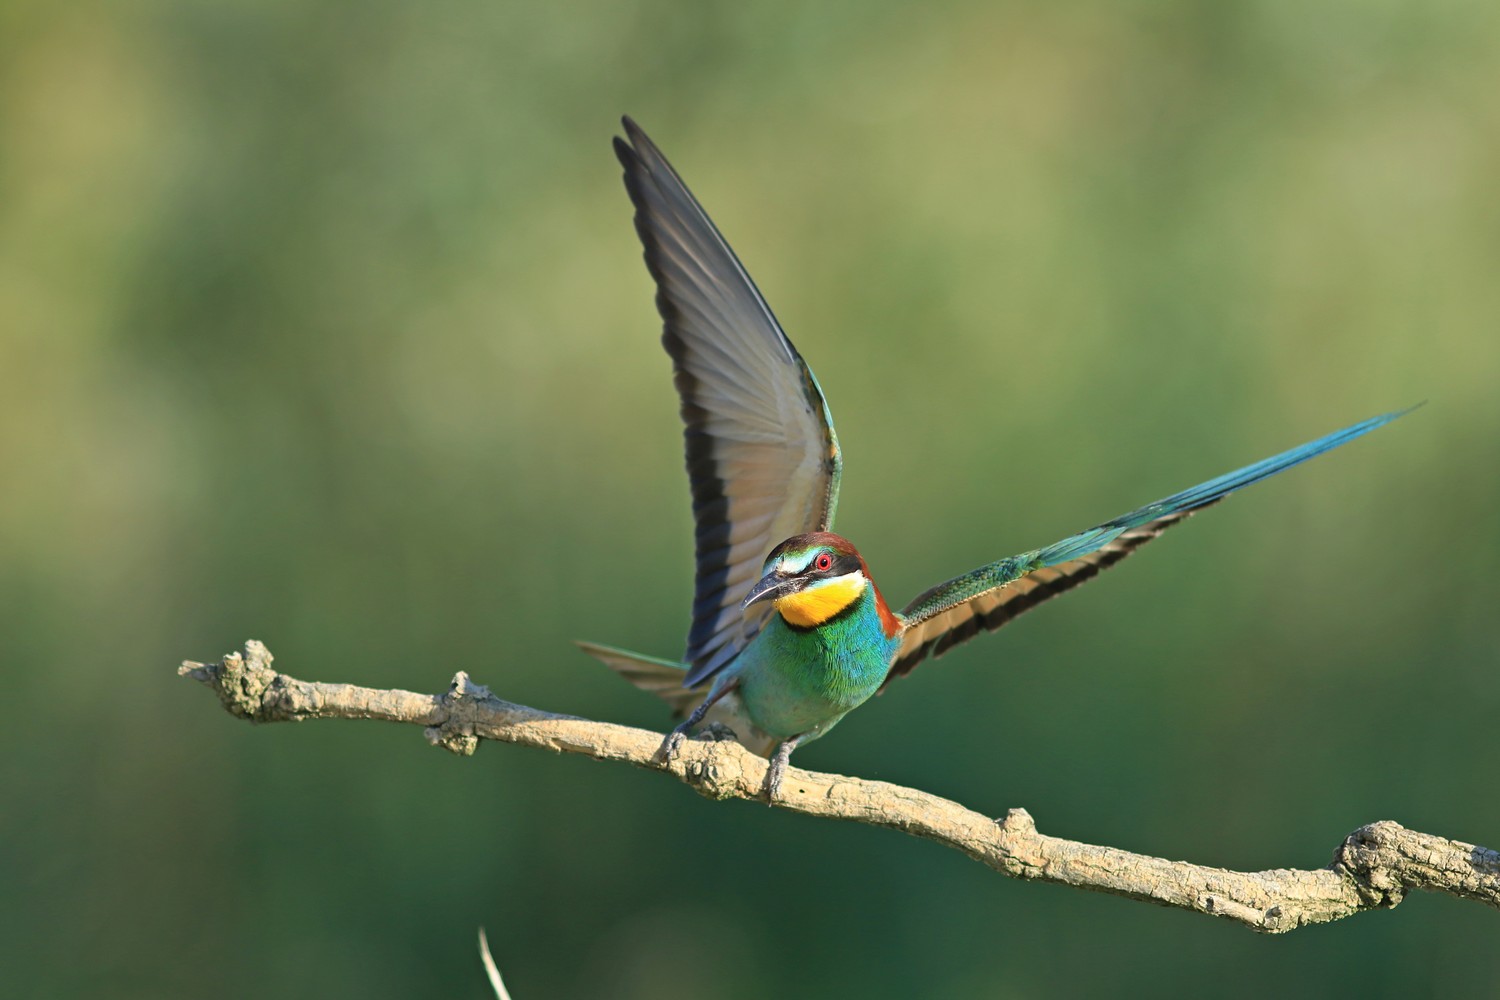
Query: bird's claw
x,y
774,775
780,760
671,745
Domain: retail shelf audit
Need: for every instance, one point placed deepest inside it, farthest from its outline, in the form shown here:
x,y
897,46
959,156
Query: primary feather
x,y
762,457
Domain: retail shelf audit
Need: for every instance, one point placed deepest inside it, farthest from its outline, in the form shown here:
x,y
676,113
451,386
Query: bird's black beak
x,y
772,586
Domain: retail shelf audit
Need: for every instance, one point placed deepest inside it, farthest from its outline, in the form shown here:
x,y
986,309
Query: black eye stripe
x,y
842,565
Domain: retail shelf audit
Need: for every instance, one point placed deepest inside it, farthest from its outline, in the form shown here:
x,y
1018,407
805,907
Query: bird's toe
x,y
719,732
772,787
671,745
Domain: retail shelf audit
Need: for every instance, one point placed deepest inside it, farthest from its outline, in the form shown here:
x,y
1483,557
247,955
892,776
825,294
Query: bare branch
x,y
1373,868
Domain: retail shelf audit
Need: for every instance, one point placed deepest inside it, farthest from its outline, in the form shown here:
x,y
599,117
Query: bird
x,y
790,631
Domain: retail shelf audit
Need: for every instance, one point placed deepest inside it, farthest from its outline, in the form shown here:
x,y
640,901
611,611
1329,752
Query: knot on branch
x,y
456,733
1017,821
241,680
715,774
714,764
1369,856
1385,860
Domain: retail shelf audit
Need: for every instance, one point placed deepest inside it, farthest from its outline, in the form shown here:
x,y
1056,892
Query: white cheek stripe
x,y
842,580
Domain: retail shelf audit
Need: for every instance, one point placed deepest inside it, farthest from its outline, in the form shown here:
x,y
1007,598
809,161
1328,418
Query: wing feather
x,y
994,594
762,458
938,631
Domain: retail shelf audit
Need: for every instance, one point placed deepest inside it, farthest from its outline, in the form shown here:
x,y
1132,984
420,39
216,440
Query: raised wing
x,y
992,595
762,457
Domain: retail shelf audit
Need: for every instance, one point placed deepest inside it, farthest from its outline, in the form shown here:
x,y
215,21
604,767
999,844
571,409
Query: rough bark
x,y
1373,868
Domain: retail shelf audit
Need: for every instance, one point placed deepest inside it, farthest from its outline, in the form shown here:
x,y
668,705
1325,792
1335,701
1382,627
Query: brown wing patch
x,y
988,611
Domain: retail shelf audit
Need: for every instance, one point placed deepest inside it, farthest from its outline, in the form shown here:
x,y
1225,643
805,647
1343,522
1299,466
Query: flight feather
x,y
762,458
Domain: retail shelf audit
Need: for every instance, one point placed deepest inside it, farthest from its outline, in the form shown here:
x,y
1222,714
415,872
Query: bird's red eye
x,y
823,563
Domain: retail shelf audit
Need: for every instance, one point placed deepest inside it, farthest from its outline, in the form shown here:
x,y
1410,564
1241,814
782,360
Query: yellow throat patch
x,y
812,607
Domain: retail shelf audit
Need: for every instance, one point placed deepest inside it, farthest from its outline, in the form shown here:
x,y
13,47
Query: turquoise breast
x,y
802,681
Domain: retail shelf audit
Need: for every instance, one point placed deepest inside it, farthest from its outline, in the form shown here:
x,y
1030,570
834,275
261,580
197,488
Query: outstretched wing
x,y
992,595
762,457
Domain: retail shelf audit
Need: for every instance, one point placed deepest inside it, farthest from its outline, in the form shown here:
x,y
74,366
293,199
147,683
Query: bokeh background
x,y
325,324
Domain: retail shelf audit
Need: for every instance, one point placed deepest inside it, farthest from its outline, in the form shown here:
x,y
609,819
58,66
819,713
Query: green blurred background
x,y
325,324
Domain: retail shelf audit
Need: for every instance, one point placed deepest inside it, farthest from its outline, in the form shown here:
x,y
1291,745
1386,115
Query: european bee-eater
x,y
789,630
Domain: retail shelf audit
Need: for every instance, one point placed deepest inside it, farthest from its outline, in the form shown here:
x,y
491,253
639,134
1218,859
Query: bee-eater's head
x,y
811,578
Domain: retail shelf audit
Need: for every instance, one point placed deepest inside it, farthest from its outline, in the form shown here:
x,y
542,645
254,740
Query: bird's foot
x,y
672,744
777,770
718,732
774,775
